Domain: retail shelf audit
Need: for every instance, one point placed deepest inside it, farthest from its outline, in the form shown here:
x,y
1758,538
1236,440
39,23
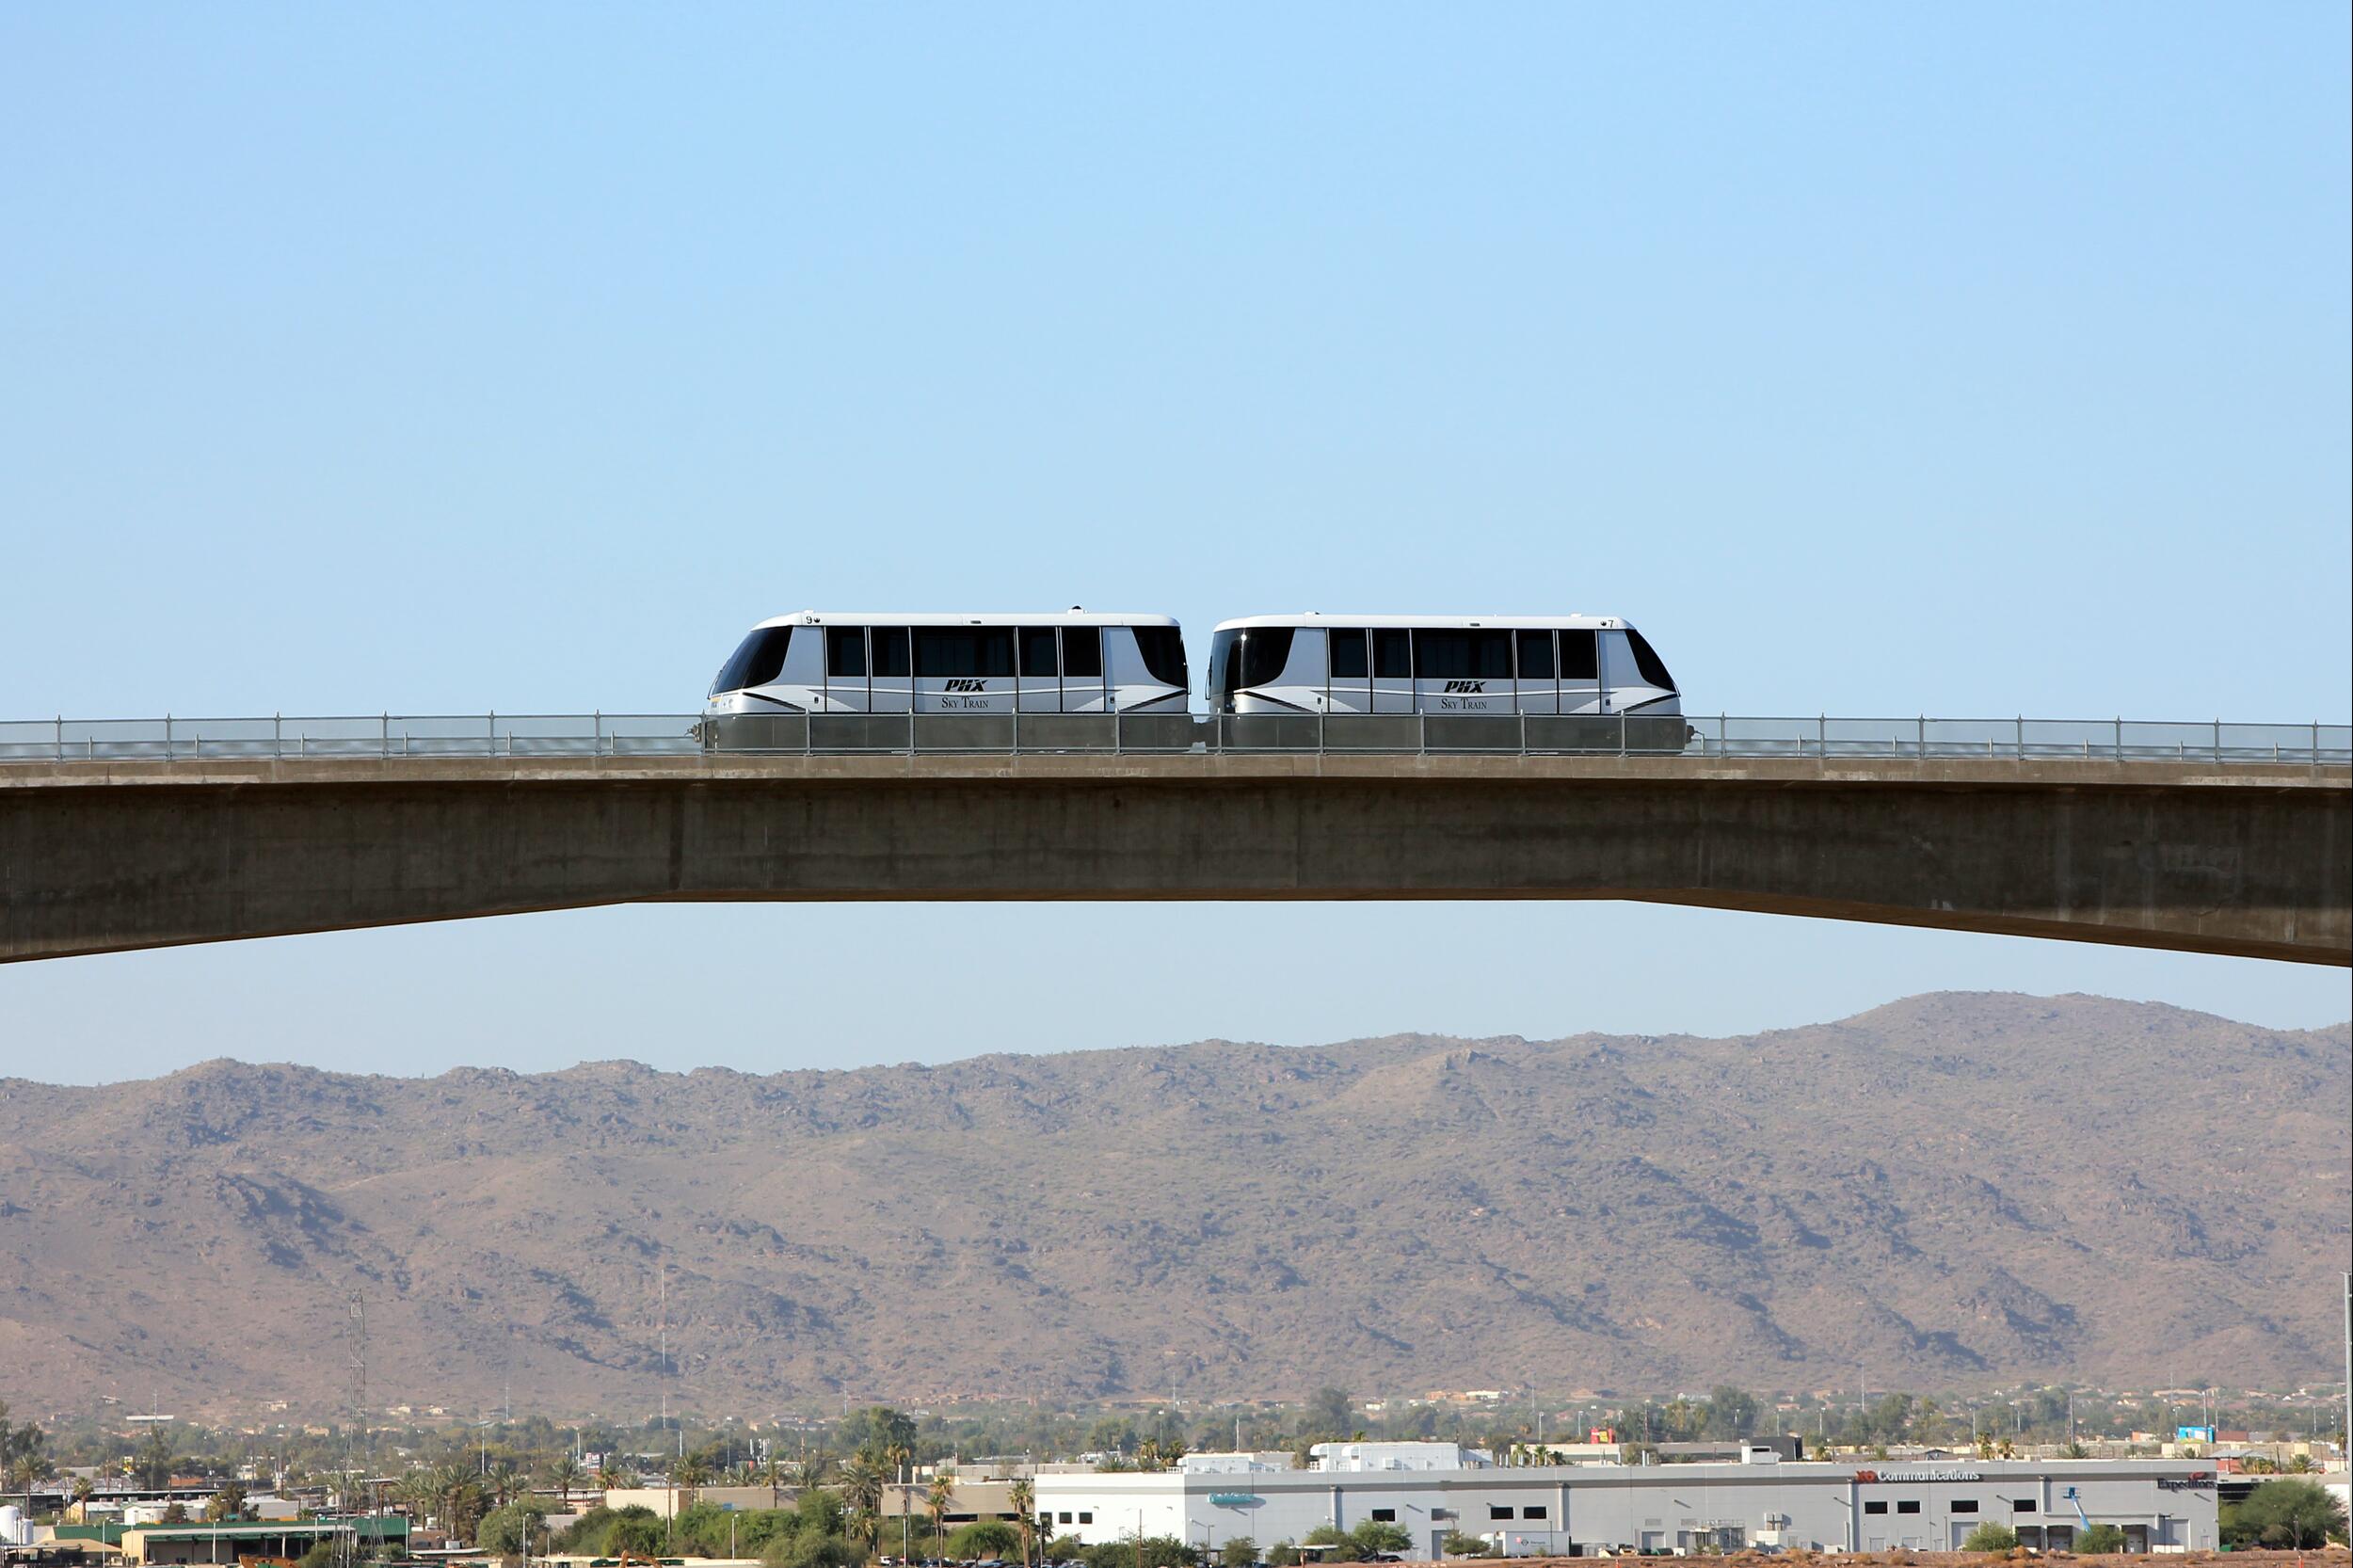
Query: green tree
x,y
801,1549
2102,1540
876,1427
1239,1551
175,1512
1283,1553
1375,1536
1153,1551
226,1506
1458,1544
1990,1537
2284,1515
1064,1548
984,1538
1330,1413
152,1463
508,1529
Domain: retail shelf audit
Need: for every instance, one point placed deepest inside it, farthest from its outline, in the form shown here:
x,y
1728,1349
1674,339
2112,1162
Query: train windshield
x,y
1163,650
1254,656
1646,661
756,661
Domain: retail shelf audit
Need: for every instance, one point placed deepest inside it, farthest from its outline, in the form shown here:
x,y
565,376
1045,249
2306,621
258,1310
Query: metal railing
x,y
2211,743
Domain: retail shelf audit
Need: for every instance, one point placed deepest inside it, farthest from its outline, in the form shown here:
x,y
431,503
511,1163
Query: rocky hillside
x,y
1952,1190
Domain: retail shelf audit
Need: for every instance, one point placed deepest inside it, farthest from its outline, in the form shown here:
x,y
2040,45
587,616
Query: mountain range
x,y
1952,1190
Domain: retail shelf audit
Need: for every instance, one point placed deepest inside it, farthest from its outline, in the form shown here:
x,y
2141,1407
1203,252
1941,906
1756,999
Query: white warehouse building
x,y
1431,1490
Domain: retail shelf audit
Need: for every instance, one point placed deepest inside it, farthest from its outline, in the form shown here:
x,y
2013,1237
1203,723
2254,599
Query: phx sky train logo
x,y
1459,686
963,685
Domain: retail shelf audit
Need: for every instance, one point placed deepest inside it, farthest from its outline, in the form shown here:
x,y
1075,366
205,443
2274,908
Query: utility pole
x,y
2345,1449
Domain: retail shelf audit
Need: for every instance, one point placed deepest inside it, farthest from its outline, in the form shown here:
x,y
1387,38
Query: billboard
x,y
2193,1435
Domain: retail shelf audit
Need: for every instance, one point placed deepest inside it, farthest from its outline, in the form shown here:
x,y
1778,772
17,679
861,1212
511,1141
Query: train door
x,y
889,671
1082,686
1540,687
1462,670
1348,670
846,669
1392,670
963,669
1038,687
1580,671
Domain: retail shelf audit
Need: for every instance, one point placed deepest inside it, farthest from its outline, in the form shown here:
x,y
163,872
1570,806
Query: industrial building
x,y
1430,1490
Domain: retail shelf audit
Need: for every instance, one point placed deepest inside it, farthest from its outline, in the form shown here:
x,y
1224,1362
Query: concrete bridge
x,y
2247,858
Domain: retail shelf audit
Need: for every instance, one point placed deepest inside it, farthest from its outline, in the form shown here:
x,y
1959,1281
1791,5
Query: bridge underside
x,y
101,858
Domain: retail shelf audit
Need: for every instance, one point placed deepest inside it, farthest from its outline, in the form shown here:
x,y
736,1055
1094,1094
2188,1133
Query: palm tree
x,y
226,1506
416,1492
862,1489
609,1477
82,1490
688,1474
1023,1494
938,1498
564,1473
505,1479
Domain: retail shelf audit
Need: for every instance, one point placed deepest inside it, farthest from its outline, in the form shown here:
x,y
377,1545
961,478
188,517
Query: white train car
x,y
898,662
1453,665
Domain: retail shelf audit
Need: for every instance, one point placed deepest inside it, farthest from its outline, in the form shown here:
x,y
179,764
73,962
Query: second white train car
x,y
1498,665
897,661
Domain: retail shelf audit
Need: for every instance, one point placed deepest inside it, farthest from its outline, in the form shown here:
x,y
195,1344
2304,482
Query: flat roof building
x,y
1865,1505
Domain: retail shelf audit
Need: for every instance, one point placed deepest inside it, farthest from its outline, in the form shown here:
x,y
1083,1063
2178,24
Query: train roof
x,y
1451,623
965,617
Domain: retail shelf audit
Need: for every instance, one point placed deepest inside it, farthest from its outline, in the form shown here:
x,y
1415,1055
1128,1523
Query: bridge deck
x,y
2254,859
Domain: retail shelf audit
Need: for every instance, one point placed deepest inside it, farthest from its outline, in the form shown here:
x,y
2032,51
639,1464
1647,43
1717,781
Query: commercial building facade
x,y
2160,1505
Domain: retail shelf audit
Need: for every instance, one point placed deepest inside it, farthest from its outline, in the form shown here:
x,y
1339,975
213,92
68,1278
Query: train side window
x,y
1348,653
1393,653
1082,651
963,650
890,651
1580,658
1535,656
1491,654
1037,650
996,644
1441,655
845,651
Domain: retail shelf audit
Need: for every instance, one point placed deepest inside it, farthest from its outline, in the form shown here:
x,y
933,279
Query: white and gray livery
x,y
1455,664
902,662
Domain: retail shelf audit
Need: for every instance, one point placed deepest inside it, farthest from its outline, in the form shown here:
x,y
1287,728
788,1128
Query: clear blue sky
x,y
1873,359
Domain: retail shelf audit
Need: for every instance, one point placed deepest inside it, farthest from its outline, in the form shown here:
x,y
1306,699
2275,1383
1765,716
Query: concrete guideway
x,y
2251,859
